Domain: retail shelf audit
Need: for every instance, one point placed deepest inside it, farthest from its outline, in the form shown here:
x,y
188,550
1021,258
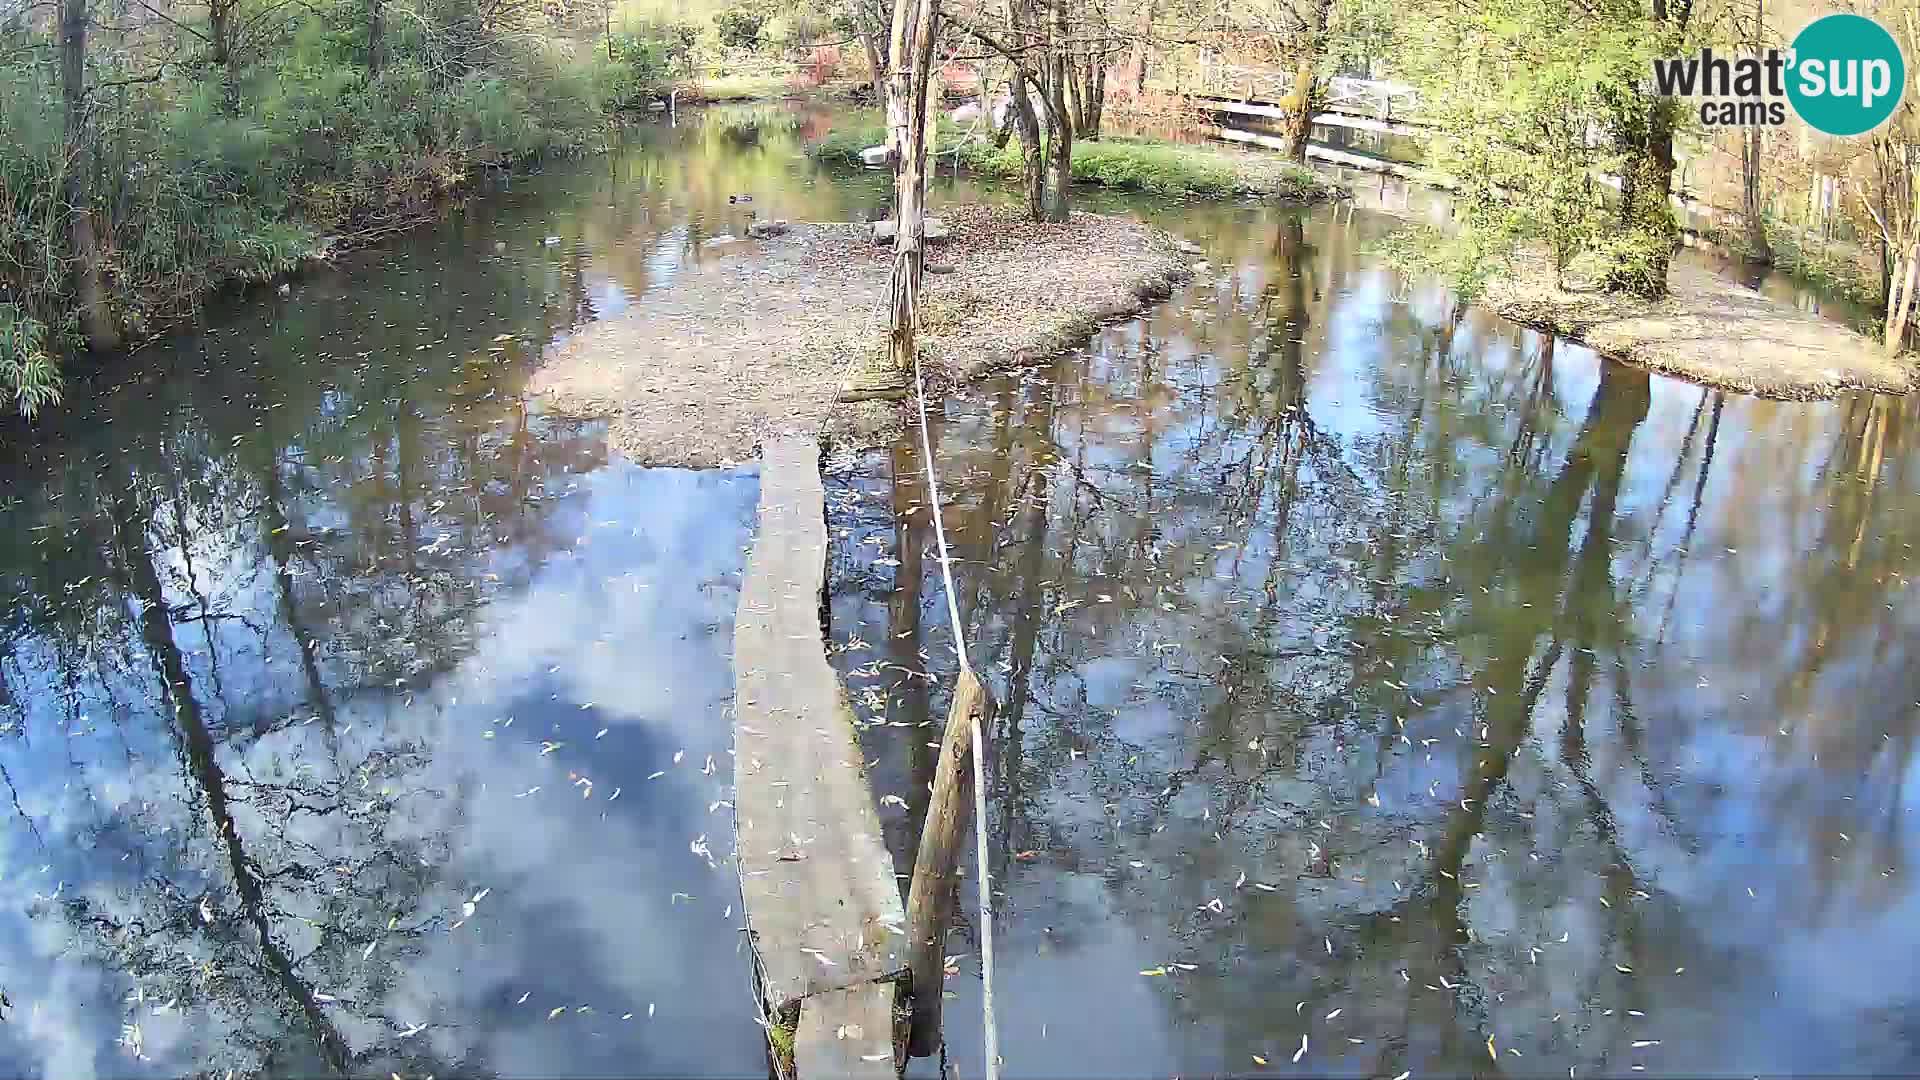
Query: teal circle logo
x,y
1845,74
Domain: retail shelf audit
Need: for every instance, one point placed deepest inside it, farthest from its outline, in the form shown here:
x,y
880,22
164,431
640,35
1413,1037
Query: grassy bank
x,y
205,175
1127,163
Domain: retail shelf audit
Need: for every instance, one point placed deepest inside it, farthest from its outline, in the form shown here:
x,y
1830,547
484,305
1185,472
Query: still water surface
x,y
1424,689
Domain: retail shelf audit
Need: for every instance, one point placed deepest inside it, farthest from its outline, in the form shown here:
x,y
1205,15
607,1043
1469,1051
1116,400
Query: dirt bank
x,y
1708,329
756,337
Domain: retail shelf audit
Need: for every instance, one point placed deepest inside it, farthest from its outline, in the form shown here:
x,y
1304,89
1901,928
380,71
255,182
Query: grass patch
x,y
1125,163
743,87
780,1040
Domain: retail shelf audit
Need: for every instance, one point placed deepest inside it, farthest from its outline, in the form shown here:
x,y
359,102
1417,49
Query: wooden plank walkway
x,y
822,903
1324,153
1325,119
847,1033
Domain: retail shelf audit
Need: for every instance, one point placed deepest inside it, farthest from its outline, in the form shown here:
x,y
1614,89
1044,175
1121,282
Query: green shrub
x,y
1134,165
644,62
1163,170
842,146
30,377
1836,271
740,27
196,187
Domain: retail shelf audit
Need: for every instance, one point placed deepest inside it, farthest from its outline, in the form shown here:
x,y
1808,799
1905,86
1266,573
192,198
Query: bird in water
x,y
739,198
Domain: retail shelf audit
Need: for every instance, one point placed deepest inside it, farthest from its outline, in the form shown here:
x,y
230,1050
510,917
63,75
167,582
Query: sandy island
x,y
1709,329
757,339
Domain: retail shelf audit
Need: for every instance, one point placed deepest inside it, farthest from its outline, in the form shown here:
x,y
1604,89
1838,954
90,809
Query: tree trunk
x,y
1023,31
1059,120
1298,127
876,64
907,102
1646,180
1076,107
1059,156
1003,126
219,28
1646,211
1750,208
1087,83
1098,109
376,36
89,290
1032,169
899,84
1140,53
220,52
1901,305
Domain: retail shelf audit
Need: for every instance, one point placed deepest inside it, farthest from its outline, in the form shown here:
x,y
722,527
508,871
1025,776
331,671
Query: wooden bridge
x,y
1365,104
849,981
1371,105
822,903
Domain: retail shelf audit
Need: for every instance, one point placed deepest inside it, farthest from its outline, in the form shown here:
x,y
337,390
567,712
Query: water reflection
x,y
1371,670
1392,677
359,718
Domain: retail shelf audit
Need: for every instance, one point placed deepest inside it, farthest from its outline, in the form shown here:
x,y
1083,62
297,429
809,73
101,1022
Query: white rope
x,y
979,751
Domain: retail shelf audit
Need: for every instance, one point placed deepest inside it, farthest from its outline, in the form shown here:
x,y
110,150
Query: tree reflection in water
x,y
1392,676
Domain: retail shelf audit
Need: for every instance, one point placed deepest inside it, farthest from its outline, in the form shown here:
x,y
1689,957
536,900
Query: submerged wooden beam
x,y
930,899
822,904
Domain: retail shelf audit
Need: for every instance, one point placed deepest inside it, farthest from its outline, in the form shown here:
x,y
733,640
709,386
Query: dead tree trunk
x,y
89,290
930,896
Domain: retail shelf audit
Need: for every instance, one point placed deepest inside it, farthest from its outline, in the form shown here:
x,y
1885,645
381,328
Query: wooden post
x,y
930,897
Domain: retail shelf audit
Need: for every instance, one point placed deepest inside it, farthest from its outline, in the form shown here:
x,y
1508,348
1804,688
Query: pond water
x,y
1424,689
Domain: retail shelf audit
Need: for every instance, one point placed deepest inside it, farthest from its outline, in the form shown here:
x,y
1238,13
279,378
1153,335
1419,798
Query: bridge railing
x,y
1377,98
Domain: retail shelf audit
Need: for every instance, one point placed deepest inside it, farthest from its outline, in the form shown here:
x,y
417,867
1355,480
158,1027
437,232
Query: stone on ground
x,y
936,229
